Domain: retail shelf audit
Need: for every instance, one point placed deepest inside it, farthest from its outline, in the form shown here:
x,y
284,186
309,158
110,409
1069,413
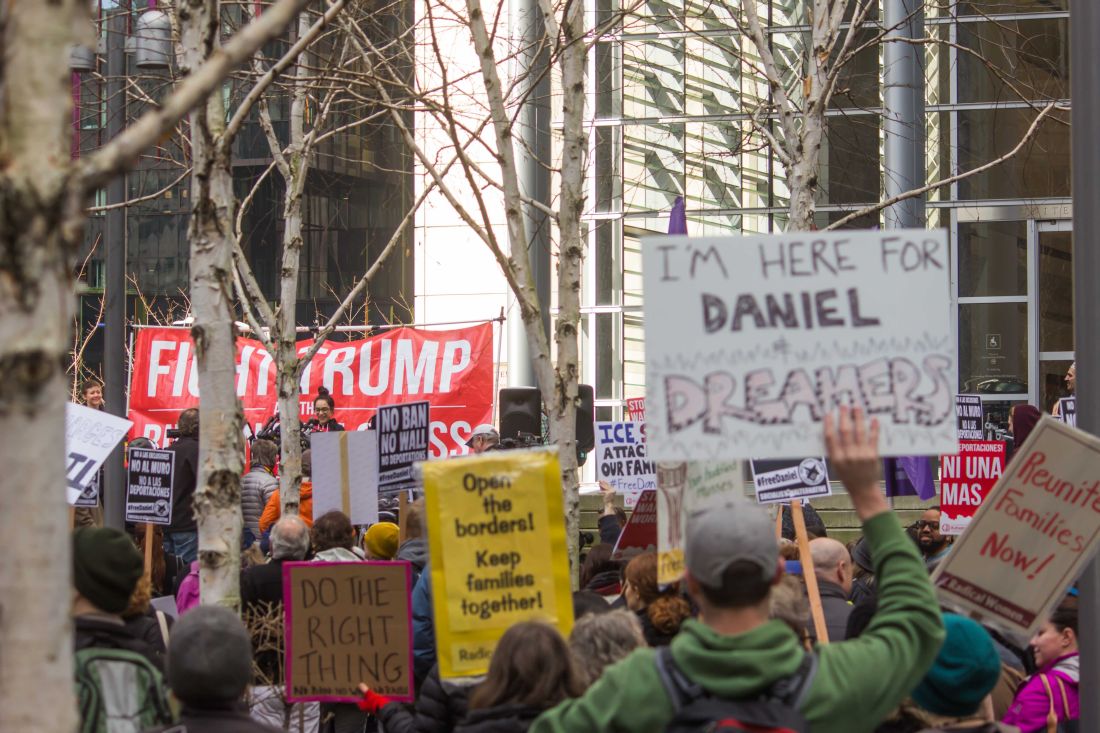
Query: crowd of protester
x,y
733,641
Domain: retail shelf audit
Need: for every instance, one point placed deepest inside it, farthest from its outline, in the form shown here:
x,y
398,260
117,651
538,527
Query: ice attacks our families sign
x,y
751,341
1033,534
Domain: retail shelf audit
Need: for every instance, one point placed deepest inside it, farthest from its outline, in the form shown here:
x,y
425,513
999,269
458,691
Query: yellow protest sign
x,y
496,536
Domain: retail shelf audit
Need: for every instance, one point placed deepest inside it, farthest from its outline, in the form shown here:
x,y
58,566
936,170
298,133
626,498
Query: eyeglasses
x,y
922,523
324,409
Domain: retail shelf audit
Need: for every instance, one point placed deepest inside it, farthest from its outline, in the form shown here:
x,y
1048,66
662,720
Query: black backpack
x,y
773,711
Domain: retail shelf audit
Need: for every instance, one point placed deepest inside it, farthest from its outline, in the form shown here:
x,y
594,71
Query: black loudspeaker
x,y
586,419
520,412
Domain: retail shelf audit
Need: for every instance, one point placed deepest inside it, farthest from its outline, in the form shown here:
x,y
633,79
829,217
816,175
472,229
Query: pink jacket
x,y
187,596
1030,707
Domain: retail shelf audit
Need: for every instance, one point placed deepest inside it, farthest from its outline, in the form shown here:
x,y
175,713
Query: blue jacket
x,y
423,625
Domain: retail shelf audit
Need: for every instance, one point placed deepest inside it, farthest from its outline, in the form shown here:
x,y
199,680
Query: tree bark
x,y
36,310
563,423
221,441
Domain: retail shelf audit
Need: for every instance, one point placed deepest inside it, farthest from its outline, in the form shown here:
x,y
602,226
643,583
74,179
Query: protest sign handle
x,y
149,531
779,523
72,518
816,611
402,516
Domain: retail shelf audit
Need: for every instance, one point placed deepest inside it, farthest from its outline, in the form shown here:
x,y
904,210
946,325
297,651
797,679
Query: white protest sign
x,y
621,458
683,490
149,485
1067,411
345,474
751,341
90,436
782,480
1033,533
89,496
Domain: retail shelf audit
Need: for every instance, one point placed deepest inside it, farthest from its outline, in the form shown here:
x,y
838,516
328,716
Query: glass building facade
x,y
359,188
674,89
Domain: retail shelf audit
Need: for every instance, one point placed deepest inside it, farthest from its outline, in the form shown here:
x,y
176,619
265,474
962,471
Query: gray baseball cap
x,y
720,536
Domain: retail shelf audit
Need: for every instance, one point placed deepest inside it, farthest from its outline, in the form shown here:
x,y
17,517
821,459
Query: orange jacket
x,y
272,509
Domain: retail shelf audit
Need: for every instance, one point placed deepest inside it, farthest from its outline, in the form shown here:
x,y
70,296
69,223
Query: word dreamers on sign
x,y
497,544
751,341
1033,533
347,623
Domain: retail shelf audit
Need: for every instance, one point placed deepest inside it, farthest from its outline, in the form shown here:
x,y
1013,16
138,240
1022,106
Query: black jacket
x,y
262,590
228,719
184,477
105,632
146,627
500,719
836,608
262,584
438,708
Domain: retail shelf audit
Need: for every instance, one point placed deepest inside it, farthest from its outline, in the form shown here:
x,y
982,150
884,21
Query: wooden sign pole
x,y
816,611
779,523
149,532
402,515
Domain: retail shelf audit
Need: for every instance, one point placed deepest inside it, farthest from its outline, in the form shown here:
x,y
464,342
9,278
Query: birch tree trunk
x,y
294,167
36,308
570,257
221,441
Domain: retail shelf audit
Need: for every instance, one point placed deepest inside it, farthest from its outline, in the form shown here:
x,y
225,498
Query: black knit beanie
x,y
209,657
106,567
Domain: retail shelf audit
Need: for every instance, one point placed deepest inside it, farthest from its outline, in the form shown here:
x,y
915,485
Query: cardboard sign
x,y
89,497
402,441
751,341
684,489
90,436
783,480
640,533
621,458
1067,411
968,416
452,369
966,479
346,623
149,485
496,536
1033,533
635,407
345,474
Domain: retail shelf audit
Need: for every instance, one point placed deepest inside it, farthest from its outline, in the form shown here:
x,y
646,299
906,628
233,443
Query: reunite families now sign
x,y
751,341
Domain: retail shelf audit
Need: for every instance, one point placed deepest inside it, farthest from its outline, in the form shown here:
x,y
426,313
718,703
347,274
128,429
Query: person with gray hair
x,y
209,669
261,607
833,568
598,640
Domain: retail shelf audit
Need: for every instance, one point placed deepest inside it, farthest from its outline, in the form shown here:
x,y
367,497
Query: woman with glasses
x,y
325,409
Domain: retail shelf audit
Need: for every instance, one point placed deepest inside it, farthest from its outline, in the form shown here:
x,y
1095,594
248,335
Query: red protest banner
x,y
635,406
966,479
640,533
452,370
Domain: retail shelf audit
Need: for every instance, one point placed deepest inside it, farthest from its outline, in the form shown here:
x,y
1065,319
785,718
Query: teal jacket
x,y
858,682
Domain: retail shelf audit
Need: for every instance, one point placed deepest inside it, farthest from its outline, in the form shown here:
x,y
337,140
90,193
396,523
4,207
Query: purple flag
x,y
677,220
909,476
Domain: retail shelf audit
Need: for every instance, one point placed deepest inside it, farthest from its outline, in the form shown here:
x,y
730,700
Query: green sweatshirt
x,y
858,682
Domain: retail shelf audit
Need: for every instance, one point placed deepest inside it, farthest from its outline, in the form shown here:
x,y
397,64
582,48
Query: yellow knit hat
x,y
381,541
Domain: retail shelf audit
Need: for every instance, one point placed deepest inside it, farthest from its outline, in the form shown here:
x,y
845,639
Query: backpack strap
x,y
792,691
680,689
